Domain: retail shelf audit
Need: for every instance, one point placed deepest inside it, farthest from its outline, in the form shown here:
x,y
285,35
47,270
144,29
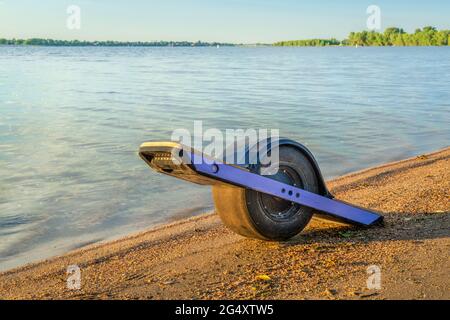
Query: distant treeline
x,y
77,43
428,36
309,43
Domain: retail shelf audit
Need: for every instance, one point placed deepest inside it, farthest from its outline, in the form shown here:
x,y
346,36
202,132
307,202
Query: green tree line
x,y
77,43
428,36
309,43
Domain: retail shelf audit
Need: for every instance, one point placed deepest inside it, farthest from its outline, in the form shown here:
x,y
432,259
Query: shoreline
x,y
184,251
174,222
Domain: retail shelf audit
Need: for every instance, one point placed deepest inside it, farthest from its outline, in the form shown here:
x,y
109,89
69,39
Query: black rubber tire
x,y
243,210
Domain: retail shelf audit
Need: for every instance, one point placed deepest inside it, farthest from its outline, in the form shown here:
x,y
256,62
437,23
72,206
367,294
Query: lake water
x,y
72,119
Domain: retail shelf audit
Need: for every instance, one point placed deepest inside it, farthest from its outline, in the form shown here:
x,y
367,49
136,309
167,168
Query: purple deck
x,y
242,178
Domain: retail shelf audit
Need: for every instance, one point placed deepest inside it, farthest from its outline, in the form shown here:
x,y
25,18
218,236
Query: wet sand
x,y
199,258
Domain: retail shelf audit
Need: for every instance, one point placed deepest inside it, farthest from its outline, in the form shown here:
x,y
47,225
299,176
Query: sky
x,y
243,21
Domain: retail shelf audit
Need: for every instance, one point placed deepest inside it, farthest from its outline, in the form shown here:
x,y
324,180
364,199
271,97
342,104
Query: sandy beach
x,y
198,258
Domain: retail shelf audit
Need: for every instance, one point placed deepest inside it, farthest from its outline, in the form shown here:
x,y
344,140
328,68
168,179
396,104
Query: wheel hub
x,y
276,208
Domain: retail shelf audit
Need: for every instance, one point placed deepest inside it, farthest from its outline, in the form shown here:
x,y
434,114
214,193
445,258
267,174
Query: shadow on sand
x,y
396,226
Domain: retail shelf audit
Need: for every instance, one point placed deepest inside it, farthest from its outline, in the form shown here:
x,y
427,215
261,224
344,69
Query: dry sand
x,y
199,258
